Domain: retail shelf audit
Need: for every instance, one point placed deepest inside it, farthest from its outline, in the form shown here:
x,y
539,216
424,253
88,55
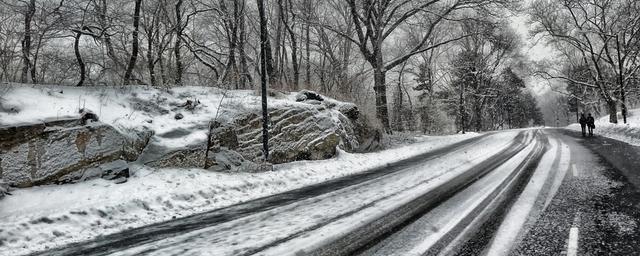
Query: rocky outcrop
x,y
158,156
64,151
43,153
135,142
310,130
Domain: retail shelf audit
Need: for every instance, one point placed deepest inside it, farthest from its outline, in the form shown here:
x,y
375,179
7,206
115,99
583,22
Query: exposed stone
x,y
313,102
158,156
87,115
296,133
178,116
44,153
225,160
369,138
135,142
114,170
306,95
350,110
4,189
222,136
120,180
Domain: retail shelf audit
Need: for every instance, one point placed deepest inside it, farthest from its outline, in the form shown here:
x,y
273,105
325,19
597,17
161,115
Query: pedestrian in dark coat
x,y
591,123
583,124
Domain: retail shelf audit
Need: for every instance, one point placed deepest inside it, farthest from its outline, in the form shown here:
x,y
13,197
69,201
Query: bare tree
x,y
30,9
376,21
134,47
265,59
605,36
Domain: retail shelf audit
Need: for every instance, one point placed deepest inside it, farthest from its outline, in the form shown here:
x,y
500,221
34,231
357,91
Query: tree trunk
x,y
308,52
76,49
613,111
292,36
107,39
151,61
176,48
35,58
382,112
26,41
134,46
477,109
461,108
623,104
245,77
265,53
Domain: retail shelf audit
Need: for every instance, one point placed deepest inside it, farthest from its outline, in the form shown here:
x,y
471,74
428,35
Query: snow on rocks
x,y
55,151
171,127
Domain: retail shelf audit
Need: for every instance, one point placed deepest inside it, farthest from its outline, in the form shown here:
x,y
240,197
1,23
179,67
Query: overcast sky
x,y
536,50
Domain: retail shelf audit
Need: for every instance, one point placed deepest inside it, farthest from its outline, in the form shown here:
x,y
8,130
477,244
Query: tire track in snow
x,y
533,200
146,234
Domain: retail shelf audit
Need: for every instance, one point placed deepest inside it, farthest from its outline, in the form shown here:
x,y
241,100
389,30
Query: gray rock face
x,y
44,153
135,142
114,170
298,132
306,95
4,188
189,156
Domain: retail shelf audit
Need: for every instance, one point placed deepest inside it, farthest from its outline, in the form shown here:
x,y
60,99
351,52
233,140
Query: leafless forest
x,y
434,66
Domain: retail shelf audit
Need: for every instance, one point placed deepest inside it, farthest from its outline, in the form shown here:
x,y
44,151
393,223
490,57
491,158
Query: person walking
x,y
583,124
591,124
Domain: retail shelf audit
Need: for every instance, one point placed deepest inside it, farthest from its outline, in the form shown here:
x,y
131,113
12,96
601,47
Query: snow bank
x,y
132,108
43,217
629,132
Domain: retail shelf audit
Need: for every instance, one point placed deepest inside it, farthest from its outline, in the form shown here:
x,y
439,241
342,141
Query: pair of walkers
x,y
587,122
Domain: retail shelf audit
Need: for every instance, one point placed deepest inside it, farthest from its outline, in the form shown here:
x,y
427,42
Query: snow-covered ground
x,y
339,211
629,132
48,216
136,108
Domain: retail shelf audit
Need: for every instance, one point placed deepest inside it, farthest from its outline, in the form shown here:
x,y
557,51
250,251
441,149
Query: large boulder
x,y
303,131
43,153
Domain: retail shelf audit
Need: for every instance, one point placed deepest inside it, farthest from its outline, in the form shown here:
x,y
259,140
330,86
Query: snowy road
x,y
505,193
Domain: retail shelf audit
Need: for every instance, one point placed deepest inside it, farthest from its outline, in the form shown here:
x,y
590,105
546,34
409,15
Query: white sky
x,y
536,50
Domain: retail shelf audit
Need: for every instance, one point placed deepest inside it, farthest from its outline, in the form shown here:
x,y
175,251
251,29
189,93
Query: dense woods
x,y
433,66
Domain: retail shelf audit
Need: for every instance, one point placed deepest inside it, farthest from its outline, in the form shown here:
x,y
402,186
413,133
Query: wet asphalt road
x,y
599,197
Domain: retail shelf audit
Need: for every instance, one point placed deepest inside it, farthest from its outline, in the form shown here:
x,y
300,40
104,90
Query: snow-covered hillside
x,y
134,107
629,132
183,127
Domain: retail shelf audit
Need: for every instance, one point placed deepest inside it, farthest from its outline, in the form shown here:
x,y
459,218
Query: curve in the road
x,y
114,242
